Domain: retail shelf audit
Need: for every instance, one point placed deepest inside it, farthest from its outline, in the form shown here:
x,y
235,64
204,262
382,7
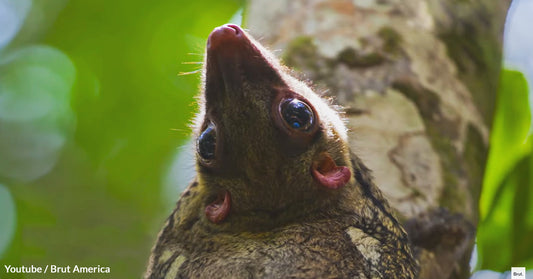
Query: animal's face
x,y
265,141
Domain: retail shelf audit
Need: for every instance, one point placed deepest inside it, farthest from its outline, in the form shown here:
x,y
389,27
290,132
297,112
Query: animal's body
x,y
278,192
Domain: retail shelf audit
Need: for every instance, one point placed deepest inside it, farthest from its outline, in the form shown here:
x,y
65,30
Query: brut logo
x,y
518,273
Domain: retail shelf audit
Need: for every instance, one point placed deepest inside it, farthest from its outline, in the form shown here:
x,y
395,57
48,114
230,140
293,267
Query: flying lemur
x,y
278,193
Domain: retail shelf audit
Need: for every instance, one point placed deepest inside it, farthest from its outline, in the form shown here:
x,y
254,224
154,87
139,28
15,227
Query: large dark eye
x,y
207,142
297,114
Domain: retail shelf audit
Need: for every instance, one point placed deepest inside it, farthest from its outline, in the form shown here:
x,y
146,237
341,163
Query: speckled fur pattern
x,y
318,247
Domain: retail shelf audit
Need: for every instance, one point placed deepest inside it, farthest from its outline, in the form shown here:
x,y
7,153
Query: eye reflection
x,y
207,142
297,114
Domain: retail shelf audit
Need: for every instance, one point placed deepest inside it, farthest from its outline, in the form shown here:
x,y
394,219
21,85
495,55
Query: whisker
x,y
189,73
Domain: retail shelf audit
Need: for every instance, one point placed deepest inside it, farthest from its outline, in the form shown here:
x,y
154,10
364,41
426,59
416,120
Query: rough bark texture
x,y
418,80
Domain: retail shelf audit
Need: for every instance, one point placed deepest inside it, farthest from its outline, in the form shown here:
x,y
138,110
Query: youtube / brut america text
x,y
51,268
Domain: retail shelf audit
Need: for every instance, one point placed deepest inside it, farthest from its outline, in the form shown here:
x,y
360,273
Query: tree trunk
x,y
418,81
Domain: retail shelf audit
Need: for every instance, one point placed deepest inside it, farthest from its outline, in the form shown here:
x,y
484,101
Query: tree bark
x,y
417,80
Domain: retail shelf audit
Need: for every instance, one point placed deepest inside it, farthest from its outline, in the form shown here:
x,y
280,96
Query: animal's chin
x,y
233,60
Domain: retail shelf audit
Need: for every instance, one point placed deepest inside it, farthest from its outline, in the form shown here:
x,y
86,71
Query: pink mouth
x,y
328,174
218,210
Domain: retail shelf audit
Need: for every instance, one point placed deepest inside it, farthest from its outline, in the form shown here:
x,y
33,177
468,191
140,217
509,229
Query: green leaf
x,y
508,228
508,142
506,200
522,221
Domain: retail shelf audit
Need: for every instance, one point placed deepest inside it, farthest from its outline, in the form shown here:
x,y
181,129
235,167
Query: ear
x,y
326,172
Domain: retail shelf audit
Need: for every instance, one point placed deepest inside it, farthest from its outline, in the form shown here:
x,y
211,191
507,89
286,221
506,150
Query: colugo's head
x,y
266,143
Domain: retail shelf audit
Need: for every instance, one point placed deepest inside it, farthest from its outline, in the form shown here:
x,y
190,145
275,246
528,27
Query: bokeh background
x,y
94,115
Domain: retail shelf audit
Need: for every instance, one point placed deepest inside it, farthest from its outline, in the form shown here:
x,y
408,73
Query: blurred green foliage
x,y
92,111
505,232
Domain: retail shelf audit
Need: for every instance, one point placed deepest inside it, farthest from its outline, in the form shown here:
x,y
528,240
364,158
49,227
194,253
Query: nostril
x,y
223,34
236,28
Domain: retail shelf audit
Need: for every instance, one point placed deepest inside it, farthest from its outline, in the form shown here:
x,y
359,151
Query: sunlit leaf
x,y
508,137
494,233
506,197
507,229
